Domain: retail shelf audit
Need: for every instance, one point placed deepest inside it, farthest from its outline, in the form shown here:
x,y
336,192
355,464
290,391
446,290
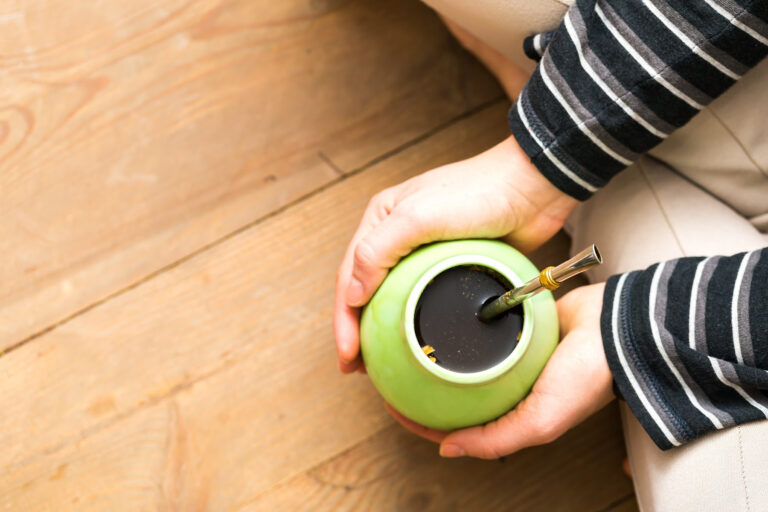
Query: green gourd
x,y
424,391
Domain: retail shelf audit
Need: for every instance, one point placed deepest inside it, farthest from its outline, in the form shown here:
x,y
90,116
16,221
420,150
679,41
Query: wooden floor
x,y
172,174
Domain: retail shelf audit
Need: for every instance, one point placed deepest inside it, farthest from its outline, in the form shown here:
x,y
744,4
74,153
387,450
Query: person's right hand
x,y
575,383
498,193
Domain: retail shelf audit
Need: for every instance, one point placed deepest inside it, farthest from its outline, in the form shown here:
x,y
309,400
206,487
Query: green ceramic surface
x,y
426,392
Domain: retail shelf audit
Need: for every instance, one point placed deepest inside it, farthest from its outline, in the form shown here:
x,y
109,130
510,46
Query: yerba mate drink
x,y
429,355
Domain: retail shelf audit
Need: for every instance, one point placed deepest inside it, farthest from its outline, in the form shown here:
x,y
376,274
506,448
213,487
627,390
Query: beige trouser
x,y
704,191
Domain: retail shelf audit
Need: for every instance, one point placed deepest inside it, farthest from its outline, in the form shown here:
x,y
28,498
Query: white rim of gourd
x,y
469,377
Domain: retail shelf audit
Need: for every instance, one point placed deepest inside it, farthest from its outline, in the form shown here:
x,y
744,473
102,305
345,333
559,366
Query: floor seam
x,y
93,429
307,471
330,163
210,245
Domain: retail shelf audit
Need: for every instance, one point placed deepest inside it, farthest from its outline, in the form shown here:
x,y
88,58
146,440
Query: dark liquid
x,y
446,319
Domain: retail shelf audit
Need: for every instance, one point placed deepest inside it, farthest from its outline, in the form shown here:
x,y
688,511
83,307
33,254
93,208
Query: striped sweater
x,y
686,340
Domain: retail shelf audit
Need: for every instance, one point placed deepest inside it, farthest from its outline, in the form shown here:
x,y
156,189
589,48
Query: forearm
x,y
618,77
687,343
615,79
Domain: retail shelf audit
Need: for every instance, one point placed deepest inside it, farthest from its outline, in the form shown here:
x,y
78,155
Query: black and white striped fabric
x,y
686,340
618,77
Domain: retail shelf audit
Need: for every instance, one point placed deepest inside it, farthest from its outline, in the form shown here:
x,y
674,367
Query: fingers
x,y
345,326
565,312
579,306
520,428
355,366
380,250
413,427
575,383
346,318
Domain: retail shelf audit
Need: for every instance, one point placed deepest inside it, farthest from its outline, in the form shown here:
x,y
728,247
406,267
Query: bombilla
x,y
549,279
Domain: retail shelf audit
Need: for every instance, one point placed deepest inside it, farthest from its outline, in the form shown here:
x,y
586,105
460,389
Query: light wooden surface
x,y
135,133
395,471
173,174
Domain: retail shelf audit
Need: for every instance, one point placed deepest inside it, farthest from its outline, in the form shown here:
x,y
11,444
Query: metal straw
x,y
549,279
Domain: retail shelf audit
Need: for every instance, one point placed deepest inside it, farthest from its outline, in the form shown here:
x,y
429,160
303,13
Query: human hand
x,y
498,193
575,384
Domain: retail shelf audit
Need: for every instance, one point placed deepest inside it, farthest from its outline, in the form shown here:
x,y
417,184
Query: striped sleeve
x,y
617,77
687,343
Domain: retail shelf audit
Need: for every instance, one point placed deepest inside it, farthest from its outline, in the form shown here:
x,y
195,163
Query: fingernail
x,y
343,351
344,356
355,293
451,450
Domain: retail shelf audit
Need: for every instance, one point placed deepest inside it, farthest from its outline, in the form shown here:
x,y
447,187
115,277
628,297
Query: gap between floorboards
x,y
189,383
291,204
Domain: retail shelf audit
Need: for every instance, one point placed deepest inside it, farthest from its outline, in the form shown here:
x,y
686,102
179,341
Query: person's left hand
x,y
575,384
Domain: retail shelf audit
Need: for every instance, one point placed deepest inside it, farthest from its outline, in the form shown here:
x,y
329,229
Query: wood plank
x,y
135,133
239,336
94,474
397,471
628,504
392,470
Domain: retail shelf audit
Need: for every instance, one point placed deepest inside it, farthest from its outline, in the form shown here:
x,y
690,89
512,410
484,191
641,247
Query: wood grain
x,y
239,336
135,133
178,180
627,504
94,474
394,470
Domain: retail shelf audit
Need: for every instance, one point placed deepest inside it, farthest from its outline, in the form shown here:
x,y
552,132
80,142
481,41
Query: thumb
x,y
378,251
566,312
580,306
529,424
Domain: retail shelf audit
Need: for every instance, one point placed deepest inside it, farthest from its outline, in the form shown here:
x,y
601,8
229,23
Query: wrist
x,y
540,207
547,195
